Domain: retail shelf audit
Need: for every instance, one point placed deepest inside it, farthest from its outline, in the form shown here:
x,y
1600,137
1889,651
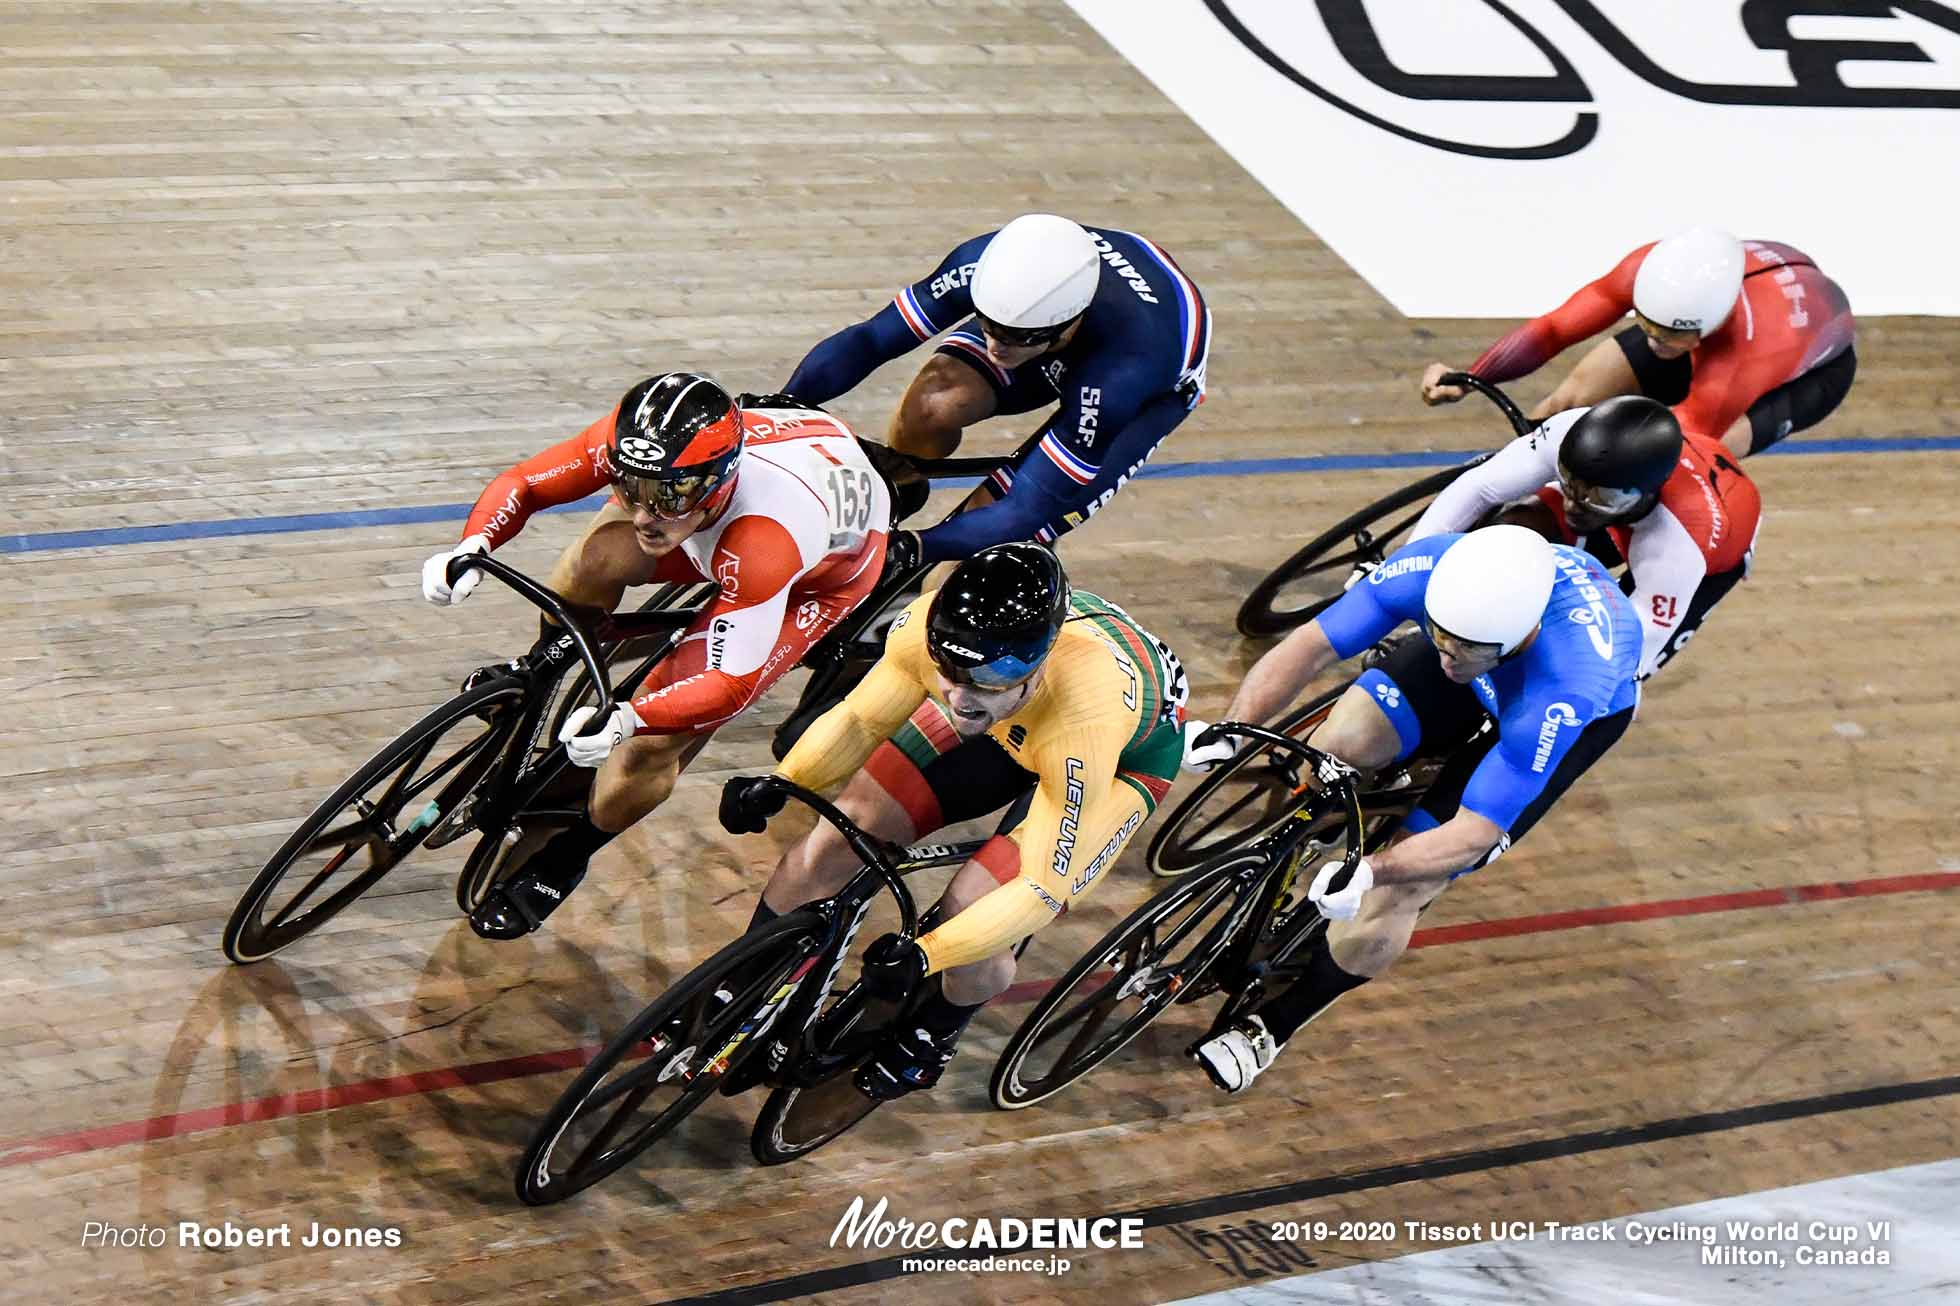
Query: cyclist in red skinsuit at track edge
x,y
1747,341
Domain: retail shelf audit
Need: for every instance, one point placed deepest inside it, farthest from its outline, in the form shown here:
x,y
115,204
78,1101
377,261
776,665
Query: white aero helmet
x,y
1689,282
1491,586
1038,271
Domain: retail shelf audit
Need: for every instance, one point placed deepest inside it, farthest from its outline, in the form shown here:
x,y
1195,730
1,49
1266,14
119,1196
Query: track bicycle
x,y
1235,926
763,1010
1299,589
487,764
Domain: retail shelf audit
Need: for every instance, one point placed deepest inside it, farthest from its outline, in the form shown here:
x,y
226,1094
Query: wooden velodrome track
x,y
270,260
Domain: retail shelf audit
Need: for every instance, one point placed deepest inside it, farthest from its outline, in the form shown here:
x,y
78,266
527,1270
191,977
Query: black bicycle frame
x,y
1273,863
844,912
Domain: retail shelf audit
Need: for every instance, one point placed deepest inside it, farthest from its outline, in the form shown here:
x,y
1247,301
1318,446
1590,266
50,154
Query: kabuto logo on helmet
x,y
637,448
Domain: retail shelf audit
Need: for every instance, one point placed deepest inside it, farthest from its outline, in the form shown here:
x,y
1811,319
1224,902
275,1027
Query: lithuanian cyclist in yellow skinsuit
x,y
1000,682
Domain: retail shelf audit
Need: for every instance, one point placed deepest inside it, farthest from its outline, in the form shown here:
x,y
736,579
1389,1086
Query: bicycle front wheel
x,y
1240,800
657,1070
1302,587
358,834
1160,954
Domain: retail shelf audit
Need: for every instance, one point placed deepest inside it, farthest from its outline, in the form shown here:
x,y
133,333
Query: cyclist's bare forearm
x,y
1277,678
1437,854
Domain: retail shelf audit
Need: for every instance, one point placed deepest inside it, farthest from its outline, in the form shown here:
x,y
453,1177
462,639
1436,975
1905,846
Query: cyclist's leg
x,y
1370,943
994,901
1796,405
1395,706
639,774
957,387
599,566
1712,590
1624,365
924,778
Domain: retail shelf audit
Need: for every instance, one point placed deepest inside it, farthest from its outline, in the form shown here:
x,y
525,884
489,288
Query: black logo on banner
x,y
1814,67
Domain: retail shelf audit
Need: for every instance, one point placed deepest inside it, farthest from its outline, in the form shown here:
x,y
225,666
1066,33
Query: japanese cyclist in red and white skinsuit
x,y
1746,340
778,506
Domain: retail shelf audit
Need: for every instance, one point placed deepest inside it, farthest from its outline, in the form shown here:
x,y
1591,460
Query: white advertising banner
x,y
1485,158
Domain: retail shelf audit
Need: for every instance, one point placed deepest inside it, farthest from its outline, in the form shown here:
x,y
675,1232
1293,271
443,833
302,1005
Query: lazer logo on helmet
x,y
1557,715
1125,269
952,279
951,647
1071,817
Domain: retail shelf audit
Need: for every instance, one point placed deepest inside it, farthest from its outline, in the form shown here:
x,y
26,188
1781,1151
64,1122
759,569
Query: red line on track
x,y
313,1100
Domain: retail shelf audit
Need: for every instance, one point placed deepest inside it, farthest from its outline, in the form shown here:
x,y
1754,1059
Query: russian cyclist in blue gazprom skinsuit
x,y
1530,636
1043,311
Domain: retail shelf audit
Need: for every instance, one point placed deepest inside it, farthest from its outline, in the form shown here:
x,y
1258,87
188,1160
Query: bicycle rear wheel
x,y
354,833
1240,800
1126,981
657,1070
1301,588
820,1101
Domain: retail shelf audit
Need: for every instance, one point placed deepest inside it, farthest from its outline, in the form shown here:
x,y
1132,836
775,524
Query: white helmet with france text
x,y
1038,273
1690,281
1491,586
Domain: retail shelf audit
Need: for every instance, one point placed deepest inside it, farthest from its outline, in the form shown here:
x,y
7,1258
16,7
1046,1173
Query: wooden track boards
x,y
268,260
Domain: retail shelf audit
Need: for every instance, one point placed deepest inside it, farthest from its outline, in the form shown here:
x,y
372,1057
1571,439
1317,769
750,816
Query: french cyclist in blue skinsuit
x,y
1099,322
1532,637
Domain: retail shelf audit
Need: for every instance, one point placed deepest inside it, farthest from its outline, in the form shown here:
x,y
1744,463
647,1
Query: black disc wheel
x,y
1161,954
1240,800
669,1061
372,822
1300,588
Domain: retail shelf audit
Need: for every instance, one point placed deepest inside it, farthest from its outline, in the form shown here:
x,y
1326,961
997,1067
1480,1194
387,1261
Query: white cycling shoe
x,y
1240,1055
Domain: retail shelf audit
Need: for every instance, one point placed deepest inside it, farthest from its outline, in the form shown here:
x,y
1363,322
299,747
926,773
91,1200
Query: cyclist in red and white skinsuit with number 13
x,y
777,506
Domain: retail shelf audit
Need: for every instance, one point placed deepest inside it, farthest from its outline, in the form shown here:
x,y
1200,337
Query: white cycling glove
x,y
1208,757
435,573
1340,906
619,724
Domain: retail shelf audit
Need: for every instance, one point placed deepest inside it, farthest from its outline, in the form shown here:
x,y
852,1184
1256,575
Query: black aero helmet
x,y
1629,443
998,615
675,444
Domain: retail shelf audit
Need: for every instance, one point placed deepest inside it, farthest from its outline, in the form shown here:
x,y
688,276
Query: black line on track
x,y
1439,1167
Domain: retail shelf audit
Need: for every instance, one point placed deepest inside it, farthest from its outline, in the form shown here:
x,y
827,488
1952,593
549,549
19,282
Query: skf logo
x,y
952,279
1390,695
1091,414
808,614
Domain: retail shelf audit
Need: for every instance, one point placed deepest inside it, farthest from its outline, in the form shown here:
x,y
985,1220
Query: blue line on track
x,y
113,536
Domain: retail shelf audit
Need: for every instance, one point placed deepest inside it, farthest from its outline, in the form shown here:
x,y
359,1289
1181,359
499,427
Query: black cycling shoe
x,y
912,1059
519,905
